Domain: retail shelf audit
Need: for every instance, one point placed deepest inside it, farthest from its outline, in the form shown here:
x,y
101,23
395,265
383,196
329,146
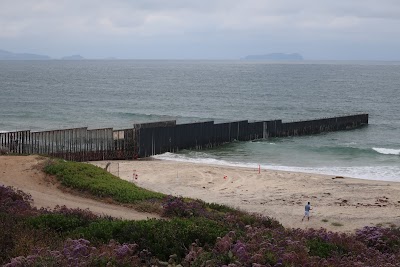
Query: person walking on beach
x,y
307,209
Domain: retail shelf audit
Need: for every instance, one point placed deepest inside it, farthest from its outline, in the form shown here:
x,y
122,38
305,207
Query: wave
x,y
141,115
262,142
203,158
382,173
149,117
353,150
387,151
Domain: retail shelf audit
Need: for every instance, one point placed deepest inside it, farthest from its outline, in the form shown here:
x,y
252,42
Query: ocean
x,y
56,94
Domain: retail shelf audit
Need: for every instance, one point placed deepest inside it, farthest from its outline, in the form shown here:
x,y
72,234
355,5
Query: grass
x,y
95,181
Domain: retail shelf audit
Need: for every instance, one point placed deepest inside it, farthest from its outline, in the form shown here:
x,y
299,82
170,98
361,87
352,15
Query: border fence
x,y
147,139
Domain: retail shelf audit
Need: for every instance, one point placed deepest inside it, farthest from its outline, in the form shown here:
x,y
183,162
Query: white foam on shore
x,y
263,142
380,173
210,161
387,151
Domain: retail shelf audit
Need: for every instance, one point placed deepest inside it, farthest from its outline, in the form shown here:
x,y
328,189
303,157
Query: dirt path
x,y
20,172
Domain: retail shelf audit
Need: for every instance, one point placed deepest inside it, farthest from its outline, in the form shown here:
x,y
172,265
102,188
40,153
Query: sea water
x,y
55,94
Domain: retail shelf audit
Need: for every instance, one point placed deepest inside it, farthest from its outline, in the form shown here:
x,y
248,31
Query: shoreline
x,y
317,170
350,203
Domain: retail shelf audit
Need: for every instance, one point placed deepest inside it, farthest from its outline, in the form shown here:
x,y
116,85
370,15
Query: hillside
x,y
6,55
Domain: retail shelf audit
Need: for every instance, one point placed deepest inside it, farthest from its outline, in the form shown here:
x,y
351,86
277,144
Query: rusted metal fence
x,y
147,139
77,144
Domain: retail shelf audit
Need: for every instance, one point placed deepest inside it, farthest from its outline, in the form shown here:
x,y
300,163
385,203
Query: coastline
x,y
23,173
339,204
367,172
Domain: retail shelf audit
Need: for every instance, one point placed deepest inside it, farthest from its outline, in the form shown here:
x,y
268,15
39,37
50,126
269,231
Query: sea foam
x,y
387,151
380,173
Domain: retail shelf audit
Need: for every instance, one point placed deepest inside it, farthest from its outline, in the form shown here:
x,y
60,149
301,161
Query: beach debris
x,y
338,177
343,202
225,177
135,175
383,199
326,194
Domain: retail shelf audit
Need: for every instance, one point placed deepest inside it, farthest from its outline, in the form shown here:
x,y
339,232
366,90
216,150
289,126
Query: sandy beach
x,y
339,204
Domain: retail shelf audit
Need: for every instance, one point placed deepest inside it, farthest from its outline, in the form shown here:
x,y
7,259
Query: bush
x,y
97,182
184,208
220,208
161,237
15,201
322,249
79,252
386,240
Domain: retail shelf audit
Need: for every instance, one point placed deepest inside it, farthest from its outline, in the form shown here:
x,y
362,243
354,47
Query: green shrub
x,y
323,249
161,237
220,208
94,180
57,222
102,231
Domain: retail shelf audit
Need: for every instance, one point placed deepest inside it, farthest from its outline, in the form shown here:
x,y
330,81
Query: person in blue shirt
x,y
307,209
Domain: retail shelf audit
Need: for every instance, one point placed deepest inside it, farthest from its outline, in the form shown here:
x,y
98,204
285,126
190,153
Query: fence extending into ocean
x,y
147,139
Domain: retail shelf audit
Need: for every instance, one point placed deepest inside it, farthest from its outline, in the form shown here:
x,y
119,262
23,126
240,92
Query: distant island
x,y
275,56
6,55
73,57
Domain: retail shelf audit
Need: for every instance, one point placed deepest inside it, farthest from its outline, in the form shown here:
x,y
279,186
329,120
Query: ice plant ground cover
x,y
97,182
193,233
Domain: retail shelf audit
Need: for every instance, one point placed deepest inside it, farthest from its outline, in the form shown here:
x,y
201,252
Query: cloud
x,y
86,22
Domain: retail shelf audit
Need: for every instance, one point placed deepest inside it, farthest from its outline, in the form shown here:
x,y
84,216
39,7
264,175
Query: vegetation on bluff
x,y
97,182
193,233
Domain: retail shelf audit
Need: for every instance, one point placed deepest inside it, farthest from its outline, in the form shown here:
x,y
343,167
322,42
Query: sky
x,y
202,29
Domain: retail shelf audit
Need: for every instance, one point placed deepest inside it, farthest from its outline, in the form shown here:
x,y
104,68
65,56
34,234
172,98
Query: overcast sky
x,y
202,29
